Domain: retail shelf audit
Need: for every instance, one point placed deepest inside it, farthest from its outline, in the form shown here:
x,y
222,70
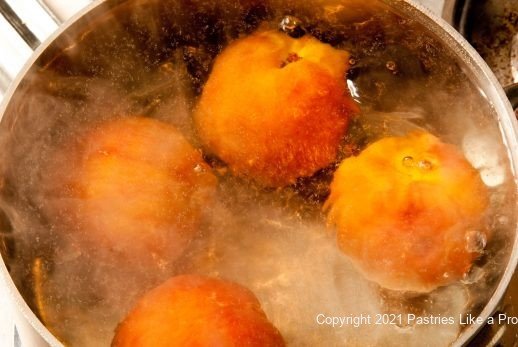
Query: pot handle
x,y
512,94
17,19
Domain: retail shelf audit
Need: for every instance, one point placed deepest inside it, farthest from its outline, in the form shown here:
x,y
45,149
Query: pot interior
x,y
152,59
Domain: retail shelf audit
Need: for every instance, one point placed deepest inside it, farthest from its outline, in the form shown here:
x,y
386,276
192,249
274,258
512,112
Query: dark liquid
x,y
152,58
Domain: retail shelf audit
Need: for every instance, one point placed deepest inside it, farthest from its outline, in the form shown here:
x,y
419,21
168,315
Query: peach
x,y
192,310
409,212
275,108
143,187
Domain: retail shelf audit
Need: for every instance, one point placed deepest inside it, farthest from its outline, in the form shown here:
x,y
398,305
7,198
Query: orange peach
x,y
143,187
192,310
275,108
409,212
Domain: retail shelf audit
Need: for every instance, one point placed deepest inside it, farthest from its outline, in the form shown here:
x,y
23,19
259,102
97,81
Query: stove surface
x,y
46,16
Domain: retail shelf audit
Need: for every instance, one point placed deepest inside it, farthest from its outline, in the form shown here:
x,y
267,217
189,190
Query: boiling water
x,y
152,58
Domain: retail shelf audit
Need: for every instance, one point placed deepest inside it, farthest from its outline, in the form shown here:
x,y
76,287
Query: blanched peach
x,y
143,187
275,108
199,311
409,211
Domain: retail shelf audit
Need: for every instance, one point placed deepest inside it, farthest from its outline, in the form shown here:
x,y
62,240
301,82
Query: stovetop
x,y
24,24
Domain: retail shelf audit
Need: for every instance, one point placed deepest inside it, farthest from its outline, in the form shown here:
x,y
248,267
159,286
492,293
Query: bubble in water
x,y
473,275
493,176
475,241
292,26
408,161
424,165
391,66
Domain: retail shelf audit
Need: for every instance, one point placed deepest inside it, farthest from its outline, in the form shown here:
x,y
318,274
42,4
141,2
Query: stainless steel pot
x,y
477,70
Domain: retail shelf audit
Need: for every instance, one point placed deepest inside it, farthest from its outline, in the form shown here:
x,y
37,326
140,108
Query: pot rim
x,y
508,125
447,35
12,290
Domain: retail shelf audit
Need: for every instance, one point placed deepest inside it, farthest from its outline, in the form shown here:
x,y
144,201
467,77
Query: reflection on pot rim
x,y
482,76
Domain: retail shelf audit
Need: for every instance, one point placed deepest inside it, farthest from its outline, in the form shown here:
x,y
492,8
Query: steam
x,y
79,289
151,58
291,262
